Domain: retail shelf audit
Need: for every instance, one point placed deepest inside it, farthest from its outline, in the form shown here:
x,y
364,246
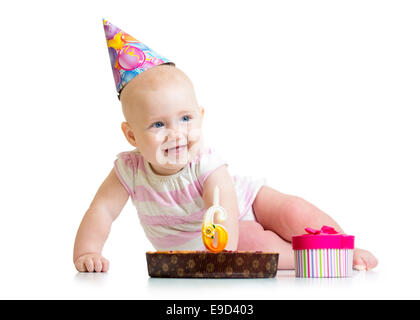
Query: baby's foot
x,y
363,260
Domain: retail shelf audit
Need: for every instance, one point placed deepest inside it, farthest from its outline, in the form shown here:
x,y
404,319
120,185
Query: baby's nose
x,y
176,132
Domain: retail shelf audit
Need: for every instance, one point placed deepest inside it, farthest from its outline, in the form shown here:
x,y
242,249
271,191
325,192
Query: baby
x,y
170,177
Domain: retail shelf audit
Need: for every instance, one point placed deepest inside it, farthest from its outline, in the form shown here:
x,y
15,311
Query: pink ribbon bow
x,y
324,229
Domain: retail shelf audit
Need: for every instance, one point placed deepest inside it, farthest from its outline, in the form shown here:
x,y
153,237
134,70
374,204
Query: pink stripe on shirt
x,y
169,198
125,185
165,220
133,161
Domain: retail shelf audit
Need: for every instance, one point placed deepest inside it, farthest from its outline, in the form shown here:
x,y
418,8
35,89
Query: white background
x,y
319,97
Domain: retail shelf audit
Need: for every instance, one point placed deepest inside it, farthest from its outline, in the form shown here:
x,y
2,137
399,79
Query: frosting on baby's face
x,y
163,118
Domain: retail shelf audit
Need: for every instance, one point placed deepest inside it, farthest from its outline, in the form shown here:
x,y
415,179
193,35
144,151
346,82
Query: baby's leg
x,y
279,217
253,237
288,215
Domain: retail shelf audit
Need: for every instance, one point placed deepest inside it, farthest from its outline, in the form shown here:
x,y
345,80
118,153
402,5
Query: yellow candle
x,y
210,230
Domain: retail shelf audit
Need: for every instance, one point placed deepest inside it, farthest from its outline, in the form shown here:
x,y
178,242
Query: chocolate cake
x,y
204,264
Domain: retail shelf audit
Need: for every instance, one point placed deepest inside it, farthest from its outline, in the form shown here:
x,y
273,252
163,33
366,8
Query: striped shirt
x,y
171,208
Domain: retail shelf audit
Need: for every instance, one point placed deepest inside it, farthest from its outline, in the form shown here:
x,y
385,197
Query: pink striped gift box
x,y
323,253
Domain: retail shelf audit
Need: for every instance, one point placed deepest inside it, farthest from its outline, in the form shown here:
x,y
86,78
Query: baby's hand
x,y
91,262
363,260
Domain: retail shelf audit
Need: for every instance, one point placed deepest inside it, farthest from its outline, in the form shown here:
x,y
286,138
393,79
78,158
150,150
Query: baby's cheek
x,y
194,134
149,146
156,137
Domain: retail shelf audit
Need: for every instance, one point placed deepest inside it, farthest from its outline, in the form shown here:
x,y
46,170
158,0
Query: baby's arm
x,y
228,201
96,225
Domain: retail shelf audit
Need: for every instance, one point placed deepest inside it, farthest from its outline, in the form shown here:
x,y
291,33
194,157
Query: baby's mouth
x,y
176,149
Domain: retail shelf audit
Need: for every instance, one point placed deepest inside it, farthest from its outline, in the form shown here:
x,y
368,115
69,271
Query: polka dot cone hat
x,y
129,57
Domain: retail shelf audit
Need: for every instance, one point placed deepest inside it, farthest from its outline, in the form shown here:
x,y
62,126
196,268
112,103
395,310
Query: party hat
x,y
129,57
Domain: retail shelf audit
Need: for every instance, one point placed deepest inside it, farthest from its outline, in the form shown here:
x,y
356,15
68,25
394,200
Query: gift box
x,y
323,253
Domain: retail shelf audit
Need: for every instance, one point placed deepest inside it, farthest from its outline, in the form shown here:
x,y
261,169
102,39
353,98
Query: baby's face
x,y
163,118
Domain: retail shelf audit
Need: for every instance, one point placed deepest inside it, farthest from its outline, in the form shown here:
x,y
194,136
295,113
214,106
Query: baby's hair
x,y
166,63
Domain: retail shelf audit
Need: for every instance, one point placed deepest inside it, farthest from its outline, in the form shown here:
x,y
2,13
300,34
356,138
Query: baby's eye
x,y
157,124
186,118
